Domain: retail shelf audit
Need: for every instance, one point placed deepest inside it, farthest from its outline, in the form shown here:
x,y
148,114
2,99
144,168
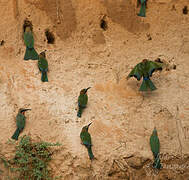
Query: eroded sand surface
x,y
85,55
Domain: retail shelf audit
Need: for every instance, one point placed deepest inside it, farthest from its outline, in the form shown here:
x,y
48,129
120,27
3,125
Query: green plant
x,y
31,160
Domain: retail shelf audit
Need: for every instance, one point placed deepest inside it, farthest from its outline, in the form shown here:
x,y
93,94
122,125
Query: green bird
x,y
142,12
20,122
82,101
155,147
86,140
43,66
29,42
145,69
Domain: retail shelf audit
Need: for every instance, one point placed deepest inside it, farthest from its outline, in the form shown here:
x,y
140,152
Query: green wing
x,y
43,64
82,100
136,72
153,66
28,39
154,143
85,138
20,121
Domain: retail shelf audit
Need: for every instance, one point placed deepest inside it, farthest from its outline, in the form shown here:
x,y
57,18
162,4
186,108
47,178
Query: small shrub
x,y
31,160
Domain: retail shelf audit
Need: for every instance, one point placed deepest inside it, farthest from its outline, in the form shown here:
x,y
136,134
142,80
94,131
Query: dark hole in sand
x,y
50,36
2,42
174,66
185,10
103,24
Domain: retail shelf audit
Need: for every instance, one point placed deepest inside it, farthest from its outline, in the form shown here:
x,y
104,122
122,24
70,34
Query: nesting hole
x,y
174,66
185,10
103,24
50,36
2,42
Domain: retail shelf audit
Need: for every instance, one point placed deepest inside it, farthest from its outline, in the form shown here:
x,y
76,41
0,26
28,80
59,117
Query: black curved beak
x,y
25,110
89,124
87,89
43,53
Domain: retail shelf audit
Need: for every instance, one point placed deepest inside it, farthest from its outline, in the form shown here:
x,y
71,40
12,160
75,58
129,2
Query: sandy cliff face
x,y
85,55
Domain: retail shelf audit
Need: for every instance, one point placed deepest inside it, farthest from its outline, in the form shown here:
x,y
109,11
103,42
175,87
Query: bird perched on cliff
x,y
155,147
86,140
82,101
145,69
29,42
20,122
142,12
43,66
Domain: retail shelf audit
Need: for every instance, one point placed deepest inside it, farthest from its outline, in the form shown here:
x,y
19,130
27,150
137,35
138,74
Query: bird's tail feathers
x,y
147,83
151,85
16,134
157,163
142,12
91,156
44,77
79,112
31,54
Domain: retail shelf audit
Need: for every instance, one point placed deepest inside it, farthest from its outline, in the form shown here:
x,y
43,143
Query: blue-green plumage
x,y
20,123
147,83
82,101
29,42
43,66
86,140
155,148
142,12
145,69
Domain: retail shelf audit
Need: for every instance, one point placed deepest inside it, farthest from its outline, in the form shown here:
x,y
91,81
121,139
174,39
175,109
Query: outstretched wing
x,y
28,39
153,66
136,72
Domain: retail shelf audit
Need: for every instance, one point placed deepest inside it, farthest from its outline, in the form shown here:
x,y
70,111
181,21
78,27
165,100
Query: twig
x,y
57,11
